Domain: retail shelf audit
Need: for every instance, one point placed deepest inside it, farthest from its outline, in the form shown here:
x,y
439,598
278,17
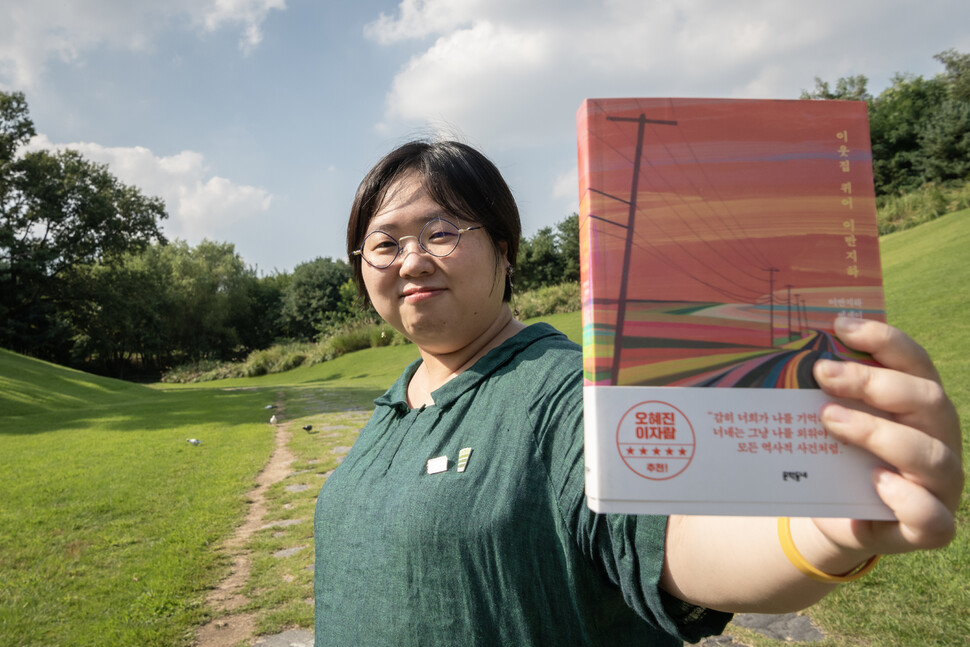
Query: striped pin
x,y
463,458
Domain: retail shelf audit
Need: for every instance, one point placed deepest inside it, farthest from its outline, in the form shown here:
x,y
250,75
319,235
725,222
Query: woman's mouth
x,y
419,294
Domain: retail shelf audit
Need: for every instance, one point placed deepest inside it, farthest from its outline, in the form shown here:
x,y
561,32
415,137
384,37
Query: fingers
x,y
889,346
927,462
915,430
913,401
923,520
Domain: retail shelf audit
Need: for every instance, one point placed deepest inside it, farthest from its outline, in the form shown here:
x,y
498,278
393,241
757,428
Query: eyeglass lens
x,y
438,237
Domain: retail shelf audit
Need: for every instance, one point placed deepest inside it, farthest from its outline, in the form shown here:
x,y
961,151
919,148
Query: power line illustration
x,y
641,122
665,245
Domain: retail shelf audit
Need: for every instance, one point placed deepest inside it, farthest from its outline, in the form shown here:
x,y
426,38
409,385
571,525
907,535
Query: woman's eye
x,y
384,245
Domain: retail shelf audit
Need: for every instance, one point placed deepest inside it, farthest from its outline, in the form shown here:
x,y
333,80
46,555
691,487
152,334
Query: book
x,y
719,239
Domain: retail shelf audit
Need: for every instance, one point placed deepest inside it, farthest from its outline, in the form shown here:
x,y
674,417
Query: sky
x,y
255,120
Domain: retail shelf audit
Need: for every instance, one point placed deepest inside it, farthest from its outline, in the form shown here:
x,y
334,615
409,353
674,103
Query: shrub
x,y
898,212
356,335
548,300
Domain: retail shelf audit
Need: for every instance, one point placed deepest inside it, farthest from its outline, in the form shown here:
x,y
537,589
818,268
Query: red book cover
x,y
719,240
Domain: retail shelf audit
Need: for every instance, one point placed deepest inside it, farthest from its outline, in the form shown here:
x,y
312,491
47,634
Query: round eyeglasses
x,y
438,237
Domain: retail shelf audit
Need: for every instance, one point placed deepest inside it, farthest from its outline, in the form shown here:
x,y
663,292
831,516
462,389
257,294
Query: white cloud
x,y
420,18
500,65
33,32
510,75
200,205
250,14
450,77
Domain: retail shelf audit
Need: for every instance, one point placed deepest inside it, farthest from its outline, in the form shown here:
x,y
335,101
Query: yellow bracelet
x,y
796,558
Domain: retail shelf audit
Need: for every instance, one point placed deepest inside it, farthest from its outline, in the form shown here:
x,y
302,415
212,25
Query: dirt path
x,y
228,629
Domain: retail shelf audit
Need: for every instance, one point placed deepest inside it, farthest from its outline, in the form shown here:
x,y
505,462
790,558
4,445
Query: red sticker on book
x,y
656,440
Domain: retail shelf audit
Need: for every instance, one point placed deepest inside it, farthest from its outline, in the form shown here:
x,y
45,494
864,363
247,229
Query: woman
x,y
459,515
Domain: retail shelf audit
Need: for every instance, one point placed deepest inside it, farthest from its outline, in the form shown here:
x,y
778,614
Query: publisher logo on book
x,y
656,440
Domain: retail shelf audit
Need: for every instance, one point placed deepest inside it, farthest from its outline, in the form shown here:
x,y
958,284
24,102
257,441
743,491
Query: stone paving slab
x,y
789,627
290,638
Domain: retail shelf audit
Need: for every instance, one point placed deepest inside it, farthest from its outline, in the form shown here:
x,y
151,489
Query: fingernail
x,y
848,324
882,478
831,368
836,413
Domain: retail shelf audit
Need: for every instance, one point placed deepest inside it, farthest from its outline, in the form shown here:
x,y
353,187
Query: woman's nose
x,y
414,259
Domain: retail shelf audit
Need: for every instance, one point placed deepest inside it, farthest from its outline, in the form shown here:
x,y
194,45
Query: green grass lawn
x,y
110,522
108,517
923,598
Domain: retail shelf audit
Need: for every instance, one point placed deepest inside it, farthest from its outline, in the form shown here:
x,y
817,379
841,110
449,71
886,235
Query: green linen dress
x,y
493,546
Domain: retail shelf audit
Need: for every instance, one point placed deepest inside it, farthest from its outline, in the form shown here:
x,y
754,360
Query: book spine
x,y
594,484
586,242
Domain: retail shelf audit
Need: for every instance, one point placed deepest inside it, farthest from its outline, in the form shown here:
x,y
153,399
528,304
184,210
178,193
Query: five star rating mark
x,y
657,452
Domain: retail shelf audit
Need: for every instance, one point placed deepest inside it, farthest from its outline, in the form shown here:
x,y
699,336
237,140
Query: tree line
x,y
88,279
919,128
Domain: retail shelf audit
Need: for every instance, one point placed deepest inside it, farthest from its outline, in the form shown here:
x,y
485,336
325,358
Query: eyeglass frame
x,y
400,248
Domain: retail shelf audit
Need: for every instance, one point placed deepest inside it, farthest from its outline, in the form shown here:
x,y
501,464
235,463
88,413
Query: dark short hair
x,y
460,179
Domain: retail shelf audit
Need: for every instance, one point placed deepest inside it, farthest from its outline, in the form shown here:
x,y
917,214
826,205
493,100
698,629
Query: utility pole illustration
x,y
771,305
641,122
789,312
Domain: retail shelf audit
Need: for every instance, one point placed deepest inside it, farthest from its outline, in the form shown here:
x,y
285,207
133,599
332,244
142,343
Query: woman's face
x,y
442,304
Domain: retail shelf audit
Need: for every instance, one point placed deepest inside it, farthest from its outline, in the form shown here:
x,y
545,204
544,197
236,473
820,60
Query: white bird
x,y
193,441
272,420
270,406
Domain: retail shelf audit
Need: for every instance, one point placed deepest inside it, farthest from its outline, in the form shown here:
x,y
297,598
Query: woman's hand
x,y
737,563
920,439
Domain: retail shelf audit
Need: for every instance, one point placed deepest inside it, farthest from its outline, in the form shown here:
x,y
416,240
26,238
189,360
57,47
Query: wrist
x,y
814,554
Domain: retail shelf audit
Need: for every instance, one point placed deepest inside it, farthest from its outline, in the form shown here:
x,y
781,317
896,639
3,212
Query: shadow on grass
x,y
168,410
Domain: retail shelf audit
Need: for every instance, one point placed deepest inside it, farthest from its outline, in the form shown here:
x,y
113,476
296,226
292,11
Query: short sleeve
x,y
630,550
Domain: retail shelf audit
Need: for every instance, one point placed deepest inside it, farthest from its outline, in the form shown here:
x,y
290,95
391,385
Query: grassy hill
x,y
28,386
927,283
108,517
109,520
922,599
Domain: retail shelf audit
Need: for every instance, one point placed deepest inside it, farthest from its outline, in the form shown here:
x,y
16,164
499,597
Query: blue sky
x,y
255,119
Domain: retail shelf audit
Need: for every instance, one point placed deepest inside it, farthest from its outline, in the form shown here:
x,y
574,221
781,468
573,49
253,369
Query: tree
x,y
945,143
539,262
849,88
957,74
265,323
16,129
210,288
312,302
58,211
567,241
550,257
897,118
919,127
118,316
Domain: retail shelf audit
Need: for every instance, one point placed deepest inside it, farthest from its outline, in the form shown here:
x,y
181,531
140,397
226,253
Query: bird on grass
x,y
193,441
307,428
273,419
270,406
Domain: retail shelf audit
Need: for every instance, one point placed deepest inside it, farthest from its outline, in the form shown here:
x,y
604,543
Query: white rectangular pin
x,y
437,465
